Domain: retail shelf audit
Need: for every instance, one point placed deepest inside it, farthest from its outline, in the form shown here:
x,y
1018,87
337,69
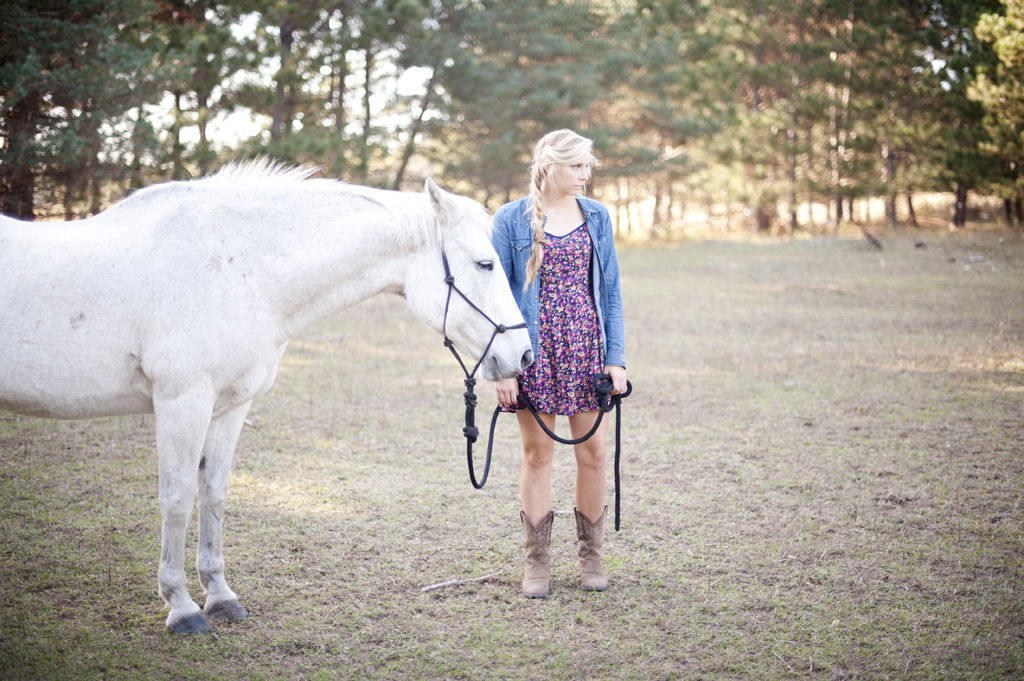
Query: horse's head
x,y
462,226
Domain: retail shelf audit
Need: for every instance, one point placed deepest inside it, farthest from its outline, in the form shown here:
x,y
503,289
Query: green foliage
x,y
747,102
74,76
517,69
1001,91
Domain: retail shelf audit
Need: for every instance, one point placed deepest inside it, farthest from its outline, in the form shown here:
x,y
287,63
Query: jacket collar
x,y
587,205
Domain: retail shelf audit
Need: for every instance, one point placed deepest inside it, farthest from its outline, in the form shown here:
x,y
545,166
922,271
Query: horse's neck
x,y
332,264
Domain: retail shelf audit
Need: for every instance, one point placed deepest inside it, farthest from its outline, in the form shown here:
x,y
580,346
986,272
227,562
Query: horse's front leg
x,y
213,477
181,425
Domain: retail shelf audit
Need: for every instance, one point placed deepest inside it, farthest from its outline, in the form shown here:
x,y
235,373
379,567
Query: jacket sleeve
x,y
501,241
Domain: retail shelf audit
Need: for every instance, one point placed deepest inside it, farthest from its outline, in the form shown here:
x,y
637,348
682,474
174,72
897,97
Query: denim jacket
x,y
512,238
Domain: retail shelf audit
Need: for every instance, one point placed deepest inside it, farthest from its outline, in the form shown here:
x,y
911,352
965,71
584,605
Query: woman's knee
x,y
592,456
538,458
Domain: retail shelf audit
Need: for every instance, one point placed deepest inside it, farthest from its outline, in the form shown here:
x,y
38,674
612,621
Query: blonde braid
x,y
540,239
560,147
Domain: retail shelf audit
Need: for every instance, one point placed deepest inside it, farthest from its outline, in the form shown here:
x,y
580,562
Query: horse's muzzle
x,y
527,359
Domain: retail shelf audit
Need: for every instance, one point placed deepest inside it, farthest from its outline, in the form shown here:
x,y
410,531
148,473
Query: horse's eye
x,y
485,265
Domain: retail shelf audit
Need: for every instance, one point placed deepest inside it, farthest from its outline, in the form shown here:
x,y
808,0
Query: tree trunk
x,y
70,188
890,184
960,209
910,208
794,130
791,227
283,79
17,179
410,144
95,195
135,167
807,176
762,218
338,74
364,150
203,155
177,148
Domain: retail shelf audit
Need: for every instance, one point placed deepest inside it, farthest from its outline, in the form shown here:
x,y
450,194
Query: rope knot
x,y
501,328
470,398
449,280
448,342
471,433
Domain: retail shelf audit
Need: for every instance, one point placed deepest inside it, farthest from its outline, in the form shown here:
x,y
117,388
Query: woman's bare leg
x,y
535,478
590,469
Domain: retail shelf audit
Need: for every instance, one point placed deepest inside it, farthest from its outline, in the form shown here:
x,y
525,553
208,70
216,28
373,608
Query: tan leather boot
x,y
537,580
590,535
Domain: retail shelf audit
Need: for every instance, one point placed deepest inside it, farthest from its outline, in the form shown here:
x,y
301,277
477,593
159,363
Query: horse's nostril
x,y
527,359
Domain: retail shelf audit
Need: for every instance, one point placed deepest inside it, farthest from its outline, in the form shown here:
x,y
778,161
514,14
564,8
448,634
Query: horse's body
x,y
180,301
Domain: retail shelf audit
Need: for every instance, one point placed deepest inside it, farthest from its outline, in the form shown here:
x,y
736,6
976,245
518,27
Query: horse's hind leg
x,y
181,425
214,473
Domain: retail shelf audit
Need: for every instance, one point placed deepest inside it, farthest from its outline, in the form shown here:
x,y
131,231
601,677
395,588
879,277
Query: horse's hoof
x,y
193,624
227,610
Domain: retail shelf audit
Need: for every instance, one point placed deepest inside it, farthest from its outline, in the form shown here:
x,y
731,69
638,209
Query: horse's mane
x,y
261,168
259,180
411,210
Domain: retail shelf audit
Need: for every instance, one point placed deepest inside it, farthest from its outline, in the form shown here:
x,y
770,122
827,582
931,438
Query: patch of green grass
x,y
822,480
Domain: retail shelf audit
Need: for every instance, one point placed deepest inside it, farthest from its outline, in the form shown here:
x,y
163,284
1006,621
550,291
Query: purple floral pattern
x,y
561,379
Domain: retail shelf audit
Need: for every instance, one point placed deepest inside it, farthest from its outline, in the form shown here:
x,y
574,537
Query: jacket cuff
x,y
615,358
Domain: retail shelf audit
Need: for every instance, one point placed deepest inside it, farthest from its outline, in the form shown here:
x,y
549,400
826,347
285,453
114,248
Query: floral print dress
x,y
561,379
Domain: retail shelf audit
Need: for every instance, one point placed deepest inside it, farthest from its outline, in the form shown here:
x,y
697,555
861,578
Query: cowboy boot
x,y
590,535
537,580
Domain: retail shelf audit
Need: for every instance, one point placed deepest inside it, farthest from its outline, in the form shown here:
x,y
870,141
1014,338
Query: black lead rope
x,y
602,383
606,402
470,431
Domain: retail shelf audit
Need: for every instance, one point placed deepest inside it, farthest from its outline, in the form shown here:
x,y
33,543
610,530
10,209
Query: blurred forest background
x,y
743,115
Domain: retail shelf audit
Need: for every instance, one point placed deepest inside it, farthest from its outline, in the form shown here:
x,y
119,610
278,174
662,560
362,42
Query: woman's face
x,y
569,180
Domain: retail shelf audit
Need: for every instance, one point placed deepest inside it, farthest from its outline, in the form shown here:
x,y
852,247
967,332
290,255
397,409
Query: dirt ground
x,y
822,479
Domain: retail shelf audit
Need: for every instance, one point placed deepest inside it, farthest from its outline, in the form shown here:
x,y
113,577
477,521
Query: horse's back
x,y
94,309
64,344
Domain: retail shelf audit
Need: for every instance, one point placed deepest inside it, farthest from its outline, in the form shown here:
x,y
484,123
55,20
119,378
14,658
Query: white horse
x,y
181,300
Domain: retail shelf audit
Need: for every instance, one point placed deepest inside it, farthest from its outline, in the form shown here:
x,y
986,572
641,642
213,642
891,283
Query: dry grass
x,y
823,480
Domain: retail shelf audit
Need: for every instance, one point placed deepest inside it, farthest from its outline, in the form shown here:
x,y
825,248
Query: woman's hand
x,y
507,390
618,376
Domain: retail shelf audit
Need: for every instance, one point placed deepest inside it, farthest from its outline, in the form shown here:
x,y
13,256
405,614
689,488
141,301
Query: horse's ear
x,y
441,202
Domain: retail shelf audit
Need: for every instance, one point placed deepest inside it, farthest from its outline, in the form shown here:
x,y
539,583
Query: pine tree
x,y
1001,91
71,76
523,68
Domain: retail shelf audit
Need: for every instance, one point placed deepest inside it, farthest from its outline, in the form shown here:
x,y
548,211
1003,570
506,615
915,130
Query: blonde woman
x,y
558,252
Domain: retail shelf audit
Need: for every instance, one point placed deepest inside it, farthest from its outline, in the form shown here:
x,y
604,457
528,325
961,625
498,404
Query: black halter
x,y
470,431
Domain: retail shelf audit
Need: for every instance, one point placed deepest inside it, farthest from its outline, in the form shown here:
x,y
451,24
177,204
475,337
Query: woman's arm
x,y
614,324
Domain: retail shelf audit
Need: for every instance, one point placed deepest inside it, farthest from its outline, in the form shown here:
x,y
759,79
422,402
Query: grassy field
x,y
823,468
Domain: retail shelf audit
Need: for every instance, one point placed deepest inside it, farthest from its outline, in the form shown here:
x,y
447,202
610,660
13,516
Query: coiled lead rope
x,y
607,401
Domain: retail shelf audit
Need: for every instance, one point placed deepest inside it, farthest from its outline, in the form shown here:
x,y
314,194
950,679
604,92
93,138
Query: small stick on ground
x,y
871,237
460,582
781,660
